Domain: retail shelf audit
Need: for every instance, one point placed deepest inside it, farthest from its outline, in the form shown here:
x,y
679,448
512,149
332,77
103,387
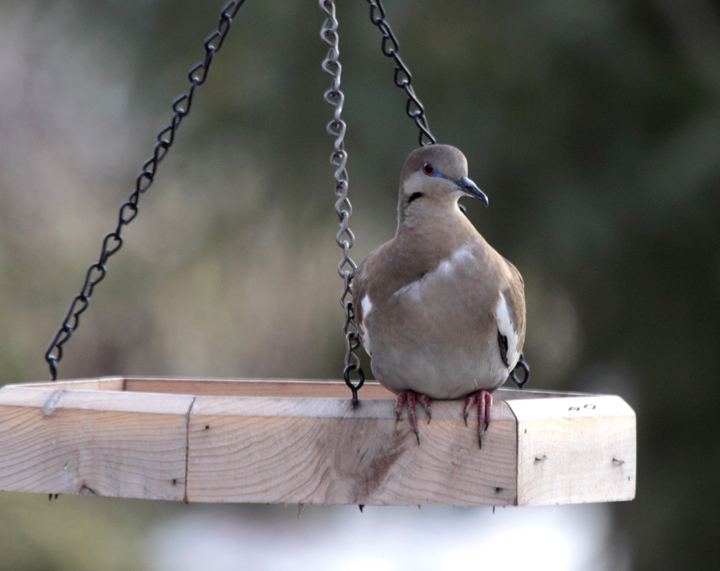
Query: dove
x,y
439,311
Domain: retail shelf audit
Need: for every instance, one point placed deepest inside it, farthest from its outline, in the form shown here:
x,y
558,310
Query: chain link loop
x,y
403,78
521,364
338,159
129,209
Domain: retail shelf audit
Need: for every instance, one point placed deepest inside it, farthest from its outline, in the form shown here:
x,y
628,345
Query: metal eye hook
x,y
526,377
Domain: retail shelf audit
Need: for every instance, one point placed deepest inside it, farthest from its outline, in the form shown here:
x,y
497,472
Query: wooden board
x,y
105,443
575,449
283,441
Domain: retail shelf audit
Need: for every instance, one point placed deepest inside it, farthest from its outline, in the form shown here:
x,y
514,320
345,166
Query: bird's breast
x,y
429,334
455,266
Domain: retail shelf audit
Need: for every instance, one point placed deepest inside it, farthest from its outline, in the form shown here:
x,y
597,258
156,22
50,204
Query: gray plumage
x,y
440,311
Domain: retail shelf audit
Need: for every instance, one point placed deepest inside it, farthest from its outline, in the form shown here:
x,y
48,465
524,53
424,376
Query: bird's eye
x,y
428,169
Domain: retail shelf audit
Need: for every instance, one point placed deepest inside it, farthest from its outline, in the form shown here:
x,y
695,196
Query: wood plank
x,y
292,388
259,387
321,451
106,443
100,384
511,393
286,441
575,450
255,387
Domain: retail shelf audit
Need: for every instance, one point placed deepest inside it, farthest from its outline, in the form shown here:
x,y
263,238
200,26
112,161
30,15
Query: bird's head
x,y
436,175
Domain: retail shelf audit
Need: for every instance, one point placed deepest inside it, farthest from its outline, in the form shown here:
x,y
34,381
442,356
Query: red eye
x,y
428,169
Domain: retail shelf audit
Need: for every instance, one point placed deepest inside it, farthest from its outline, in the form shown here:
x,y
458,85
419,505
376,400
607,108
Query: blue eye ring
x,y
428,169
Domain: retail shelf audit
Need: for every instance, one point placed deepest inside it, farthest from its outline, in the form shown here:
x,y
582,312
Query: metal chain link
x,y
416,112
403,78
129,209
521,364
338,159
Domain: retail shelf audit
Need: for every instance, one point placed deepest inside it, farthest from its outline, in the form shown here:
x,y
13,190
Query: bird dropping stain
x,y
52,403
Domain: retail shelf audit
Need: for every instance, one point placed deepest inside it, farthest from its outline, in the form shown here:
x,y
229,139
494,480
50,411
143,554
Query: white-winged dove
x,y
440,312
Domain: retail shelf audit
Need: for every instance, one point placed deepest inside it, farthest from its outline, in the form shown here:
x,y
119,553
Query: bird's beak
x,y
470,188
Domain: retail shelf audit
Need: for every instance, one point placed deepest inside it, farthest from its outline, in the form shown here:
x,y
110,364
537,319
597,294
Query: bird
x,y
439,311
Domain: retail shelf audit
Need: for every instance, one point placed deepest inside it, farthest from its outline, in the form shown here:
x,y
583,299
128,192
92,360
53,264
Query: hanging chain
x,y
338,159
403,78
521,364
416,112
129,209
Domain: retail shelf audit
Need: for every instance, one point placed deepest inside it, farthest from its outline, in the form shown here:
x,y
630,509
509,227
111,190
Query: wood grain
x,y
288,441
317,388
93,442
321,451
255,388
575,449
101,384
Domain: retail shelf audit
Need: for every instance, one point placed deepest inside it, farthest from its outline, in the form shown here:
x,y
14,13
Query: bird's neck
x,y
431,213
435,223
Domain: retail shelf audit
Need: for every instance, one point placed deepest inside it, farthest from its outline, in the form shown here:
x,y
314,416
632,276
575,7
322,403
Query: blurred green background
x,y
592,125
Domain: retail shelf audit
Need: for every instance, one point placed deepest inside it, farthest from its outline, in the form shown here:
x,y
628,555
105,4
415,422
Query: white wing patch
x,y
412,289
460,256
445,268
463,254
366,309
506,327
366,305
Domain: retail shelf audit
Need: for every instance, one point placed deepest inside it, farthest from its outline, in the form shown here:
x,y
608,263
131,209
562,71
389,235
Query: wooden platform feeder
x,y
302,442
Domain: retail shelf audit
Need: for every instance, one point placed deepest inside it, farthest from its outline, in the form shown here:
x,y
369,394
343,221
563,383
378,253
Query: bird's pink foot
x,y
484,403
410,397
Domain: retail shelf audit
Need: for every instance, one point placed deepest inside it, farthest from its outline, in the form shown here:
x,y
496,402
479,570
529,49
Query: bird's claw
x,y
468,403
484,404
399,403
410,397
425,401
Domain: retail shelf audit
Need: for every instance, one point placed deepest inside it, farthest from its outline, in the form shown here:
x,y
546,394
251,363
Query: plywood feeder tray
x,y
265,441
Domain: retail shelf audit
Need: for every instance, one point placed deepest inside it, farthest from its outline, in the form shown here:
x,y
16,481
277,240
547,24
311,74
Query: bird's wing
x,y
361,303
514,271
510,316
359,290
